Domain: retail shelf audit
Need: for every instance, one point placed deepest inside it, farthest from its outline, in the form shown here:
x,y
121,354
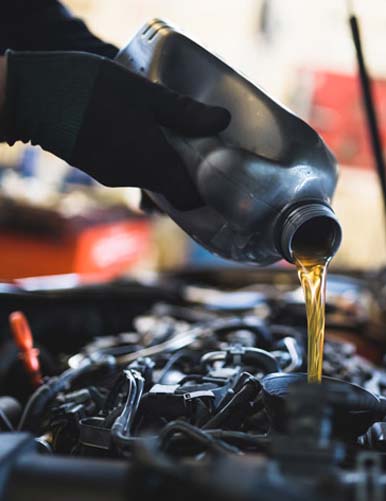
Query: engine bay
x,y
194,383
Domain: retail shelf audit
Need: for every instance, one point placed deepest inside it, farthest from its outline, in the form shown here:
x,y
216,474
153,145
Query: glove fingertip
x,y
188,116
204,120
218,119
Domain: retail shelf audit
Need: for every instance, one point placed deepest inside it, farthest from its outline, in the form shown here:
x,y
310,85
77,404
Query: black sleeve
x,y
46,25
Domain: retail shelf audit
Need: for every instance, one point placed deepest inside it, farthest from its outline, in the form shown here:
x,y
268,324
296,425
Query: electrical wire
x,y
5,423
169,364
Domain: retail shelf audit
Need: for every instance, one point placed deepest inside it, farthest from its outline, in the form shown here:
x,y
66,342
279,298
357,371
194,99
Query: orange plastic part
x,y
23,338
105,251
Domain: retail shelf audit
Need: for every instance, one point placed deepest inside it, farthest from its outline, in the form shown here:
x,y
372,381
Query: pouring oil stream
x,y
312,253
312,274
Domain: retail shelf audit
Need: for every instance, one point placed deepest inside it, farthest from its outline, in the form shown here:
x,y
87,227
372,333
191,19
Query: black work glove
x,y
105,120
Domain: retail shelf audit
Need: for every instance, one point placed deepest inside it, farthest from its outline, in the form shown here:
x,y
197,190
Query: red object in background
x,y
337,113
102,251
22,336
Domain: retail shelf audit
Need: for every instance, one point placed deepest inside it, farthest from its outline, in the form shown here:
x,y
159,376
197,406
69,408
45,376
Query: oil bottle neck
x,y
312,226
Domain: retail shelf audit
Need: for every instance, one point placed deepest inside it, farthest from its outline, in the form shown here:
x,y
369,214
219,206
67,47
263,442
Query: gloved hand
x,y
105,120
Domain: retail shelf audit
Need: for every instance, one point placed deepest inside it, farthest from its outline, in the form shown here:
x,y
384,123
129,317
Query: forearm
x,y
98,116
46,25
3,77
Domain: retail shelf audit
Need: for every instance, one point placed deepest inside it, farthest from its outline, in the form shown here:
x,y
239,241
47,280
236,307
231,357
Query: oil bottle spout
x,y
310,228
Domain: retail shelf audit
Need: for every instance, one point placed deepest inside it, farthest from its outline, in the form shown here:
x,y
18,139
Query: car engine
x,y
193,384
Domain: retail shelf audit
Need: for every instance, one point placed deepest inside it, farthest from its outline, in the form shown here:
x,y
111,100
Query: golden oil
x,y
312,271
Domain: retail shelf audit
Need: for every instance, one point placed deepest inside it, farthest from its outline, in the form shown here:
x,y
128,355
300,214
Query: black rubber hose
x,y
120,431
197,434
242,439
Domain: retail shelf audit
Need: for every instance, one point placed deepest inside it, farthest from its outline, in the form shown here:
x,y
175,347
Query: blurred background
x,y
299,51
